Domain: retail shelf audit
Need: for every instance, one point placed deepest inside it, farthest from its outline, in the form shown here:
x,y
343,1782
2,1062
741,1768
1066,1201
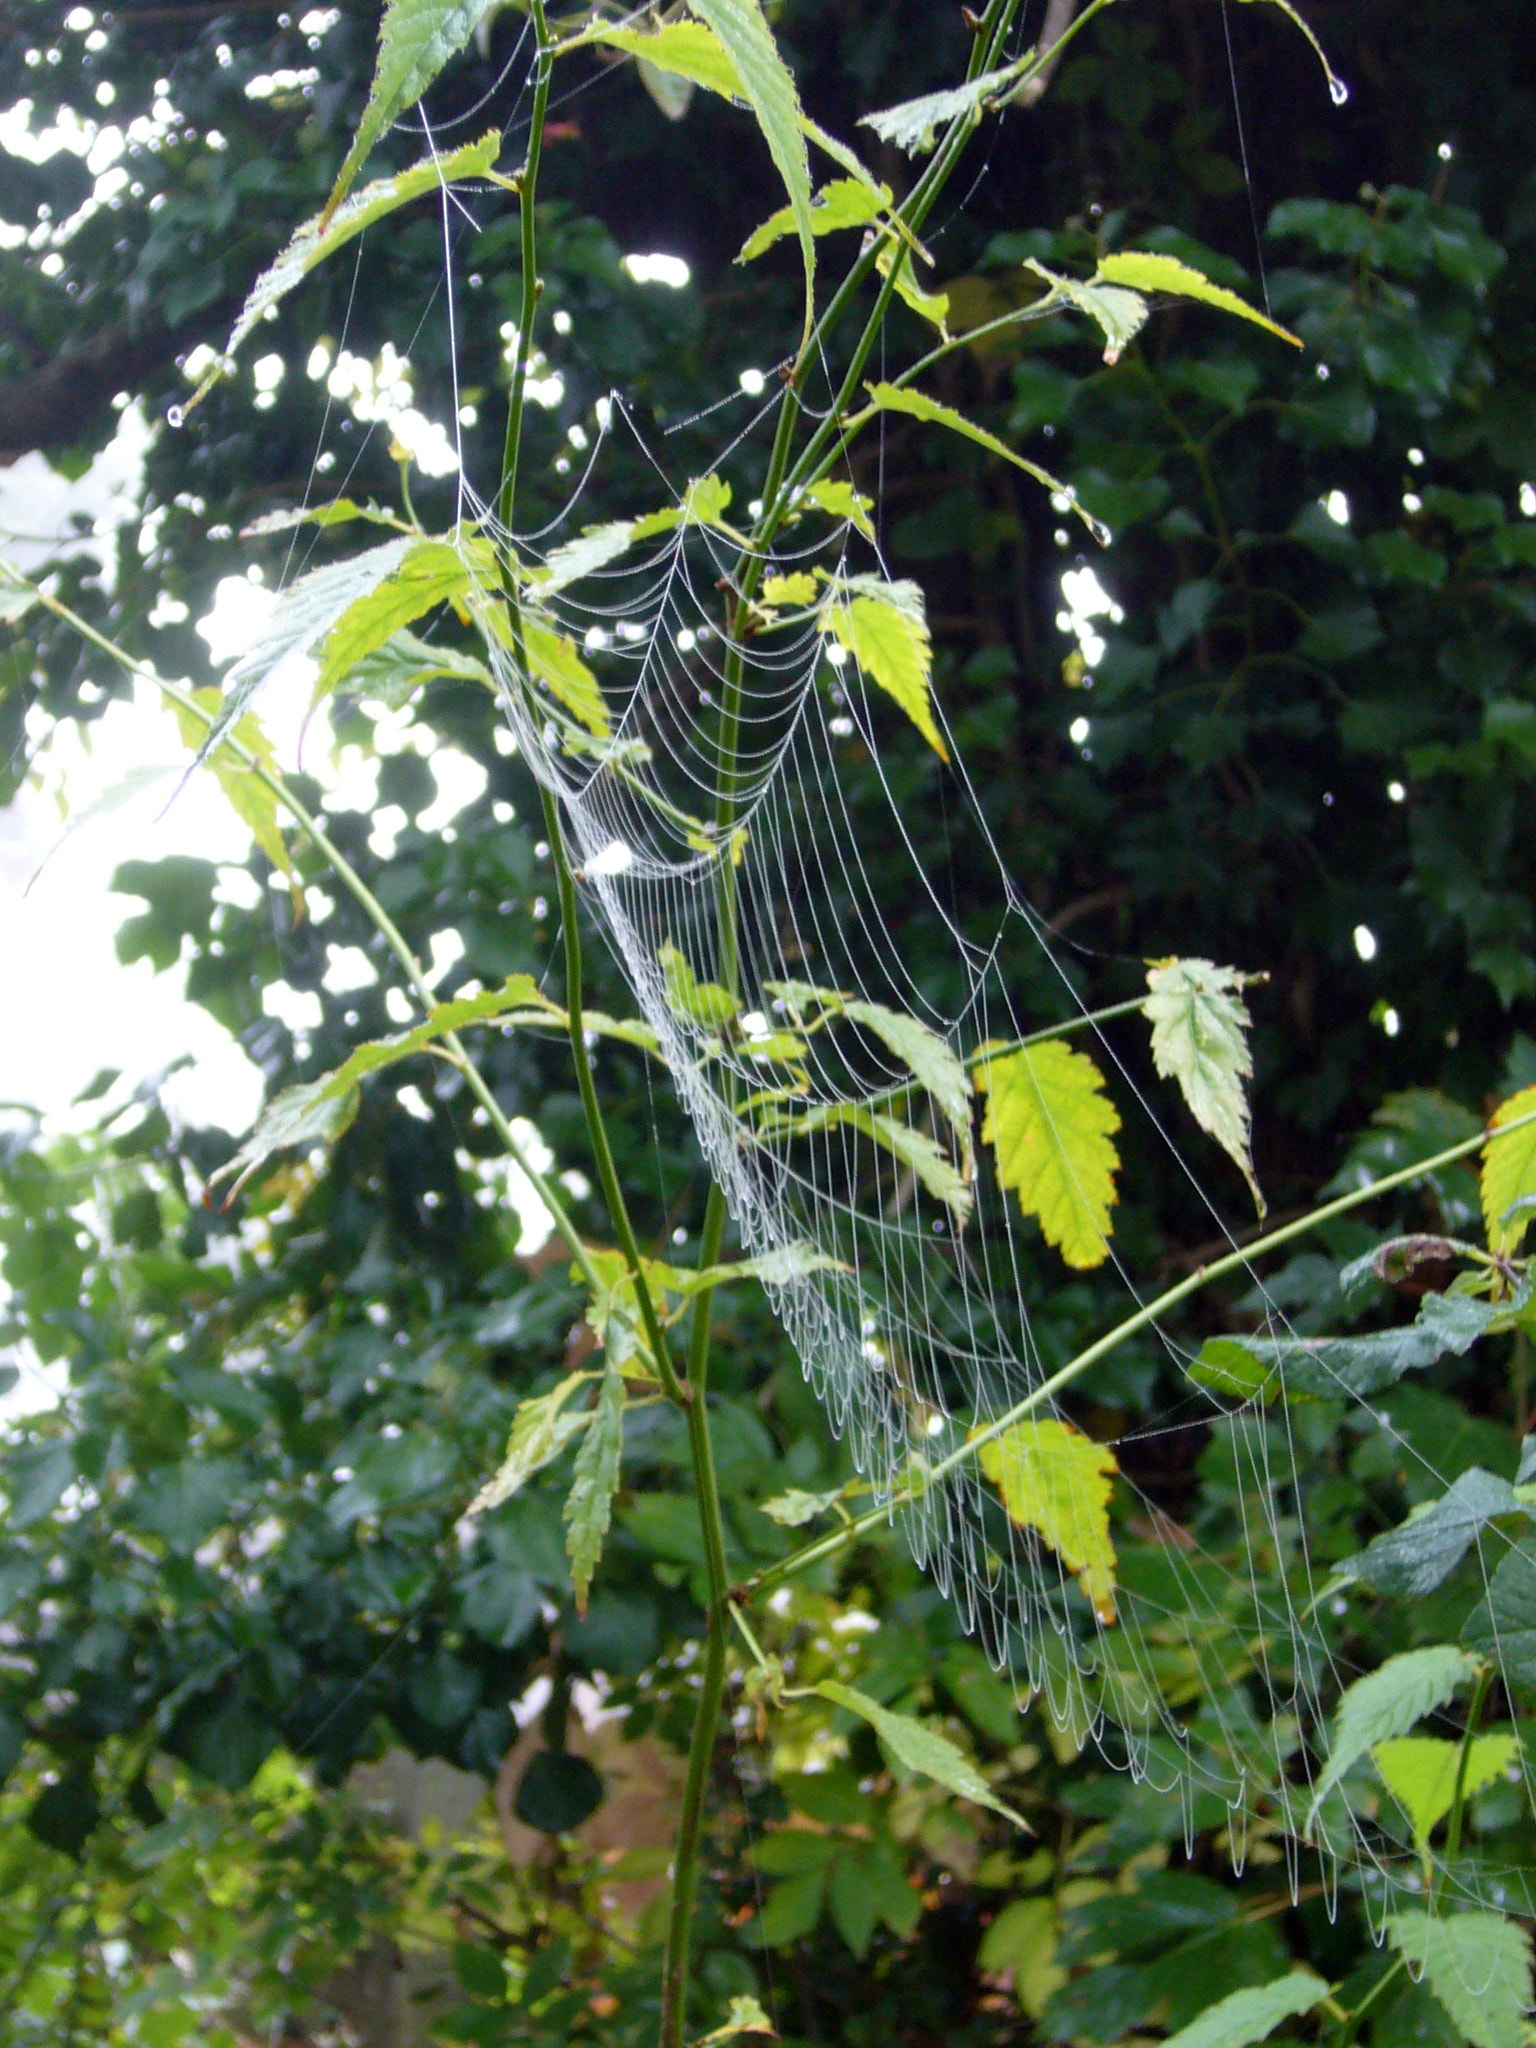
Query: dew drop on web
x,y
1338,91
175,416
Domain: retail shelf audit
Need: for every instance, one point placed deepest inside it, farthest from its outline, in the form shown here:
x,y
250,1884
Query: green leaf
x,y
1023,1941
930,1061
416,39
310,1113
1200,1027
743,2016
700,1002
913,126
541,1429
844,203
1509,1172
1412,1559
792,1909
1387,1702
551,660
1145,272
1229,1368
589,1504
1251,2015
840,501
777,1268
927,1161
930,306
251,799
593,549
1058,1482
703,503
683,49
748,42
1120,314
884,627
429,575
919,1748
1502,1626
1477,1964
1330,1366
892,398
317,1112
1051,1127
1420,1772
793,1509
321,237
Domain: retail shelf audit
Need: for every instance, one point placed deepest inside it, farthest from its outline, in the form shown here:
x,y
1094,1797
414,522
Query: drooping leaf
x,y
1412,1559
884,627
1509,1172
1200,1027
1145,272
930,1061
1477,1964
593,549
251,799
748,41
1058,1482
930,306
1051,1127
893,398
1119,313
682,49
1420,1771
919,1748
321,237
416,39
1388,1702
914,125
844,203
744,2016
589,1504
1251,2014
551,659
541,1429
926,1161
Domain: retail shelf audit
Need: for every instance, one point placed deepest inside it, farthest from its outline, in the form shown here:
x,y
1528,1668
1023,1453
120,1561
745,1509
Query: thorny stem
x,y
838,1539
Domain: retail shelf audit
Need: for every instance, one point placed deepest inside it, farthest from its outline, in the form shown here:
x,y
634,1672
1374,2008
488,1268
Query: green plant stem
x,y
838,1539
1351,2026
527,185
1459,1796
379,917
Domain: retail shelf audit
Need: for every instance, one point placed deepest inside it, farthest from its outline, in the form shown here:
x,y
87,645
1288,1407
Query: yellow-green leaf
x,y
701,1002
1051,1127
685,49
1420,1772
1509,1172
796,588
247,795
1058,1482
885,629
930,306
1023,1940
1119,312
428,576
1145,272
841,501
326,233
844,203
1200,1027
589,1504
893,398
